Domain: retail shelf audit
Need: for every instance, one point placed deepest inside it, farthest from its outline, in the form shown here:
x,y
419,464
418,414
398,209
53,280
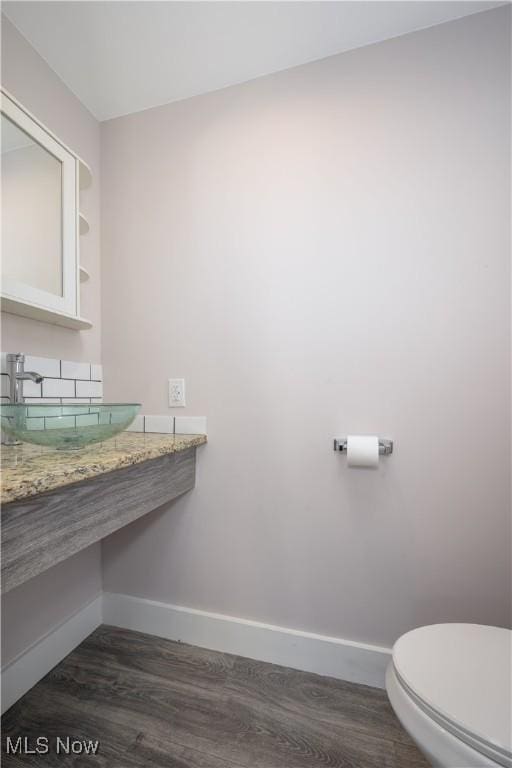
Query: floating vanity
x,y
56,503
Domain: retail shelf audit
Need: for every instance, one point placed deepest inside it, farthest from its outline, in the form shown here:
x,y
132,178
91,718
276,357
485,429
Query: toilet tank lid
x,y
463,672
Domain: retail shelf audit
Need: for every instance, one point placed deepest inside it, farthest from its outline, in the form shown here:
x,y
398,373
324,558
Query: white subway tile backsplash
x,y
89,389
41,400
72,370
46,366
31,389
43,410
96,399
137,425
184,425
162,424
59,378
87,420
190,425
73,410
59,422
58,388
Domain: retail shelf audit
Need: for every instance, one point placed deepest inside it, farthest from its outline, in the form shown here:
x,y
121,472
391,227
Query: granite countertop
x,y
30,469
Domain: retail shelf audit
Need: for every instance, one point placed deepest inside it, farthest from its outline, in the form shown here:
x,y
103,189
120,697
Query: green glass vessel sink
x,y
66,427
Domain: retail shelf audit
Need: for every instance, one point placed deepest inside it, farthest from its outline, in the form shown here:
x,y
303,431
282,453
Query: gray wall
x,y
36,607
321,252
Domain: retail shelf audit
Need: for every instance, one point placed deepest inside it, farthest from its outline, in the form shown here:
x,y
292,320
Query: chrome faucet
x,y
18,374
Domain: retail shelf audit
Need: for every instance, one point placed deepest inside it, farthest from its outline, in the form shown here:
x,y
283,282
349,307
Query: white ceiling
x,y
120,57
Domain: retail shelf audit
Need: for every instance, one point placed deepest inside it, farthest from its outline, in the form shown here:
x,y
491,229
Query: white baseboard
x,y
35,662
307,651
310,652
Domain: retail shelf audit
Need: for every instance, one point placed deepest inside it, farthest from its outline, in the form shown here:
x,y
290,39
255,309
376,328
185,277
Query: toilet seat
x,y
460,676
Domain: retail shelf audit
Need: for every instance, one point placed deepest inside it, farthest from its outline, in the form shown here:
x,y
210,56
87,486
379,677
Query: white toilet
x,y
450,686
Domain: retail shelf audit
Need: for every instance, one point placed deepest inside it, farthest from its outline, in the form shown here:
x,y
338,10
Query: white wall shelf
x,y
16,307
84,181
83,224
84,175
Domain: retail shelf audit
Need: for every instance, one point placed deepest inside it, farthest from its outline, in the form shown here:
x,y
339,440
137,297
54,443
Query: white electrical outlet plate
x,y
176,393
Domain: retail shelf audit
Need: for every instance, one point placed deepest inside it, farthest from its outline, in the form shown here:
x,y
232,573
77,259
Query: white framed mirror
x,y
39,180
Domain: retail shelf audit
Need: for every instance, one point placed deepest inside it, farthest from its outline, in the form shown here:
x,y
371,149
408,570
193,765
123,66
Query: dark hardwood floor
x,y
153,702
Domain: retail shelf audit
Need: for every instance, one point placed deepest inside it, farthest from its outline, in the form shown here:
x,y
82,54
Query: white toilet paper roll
x,y
362,451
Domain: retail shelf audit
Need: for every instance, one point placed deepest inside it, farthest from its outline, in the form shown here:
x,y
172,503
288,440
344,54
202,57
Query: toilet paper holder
x,y
385,445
